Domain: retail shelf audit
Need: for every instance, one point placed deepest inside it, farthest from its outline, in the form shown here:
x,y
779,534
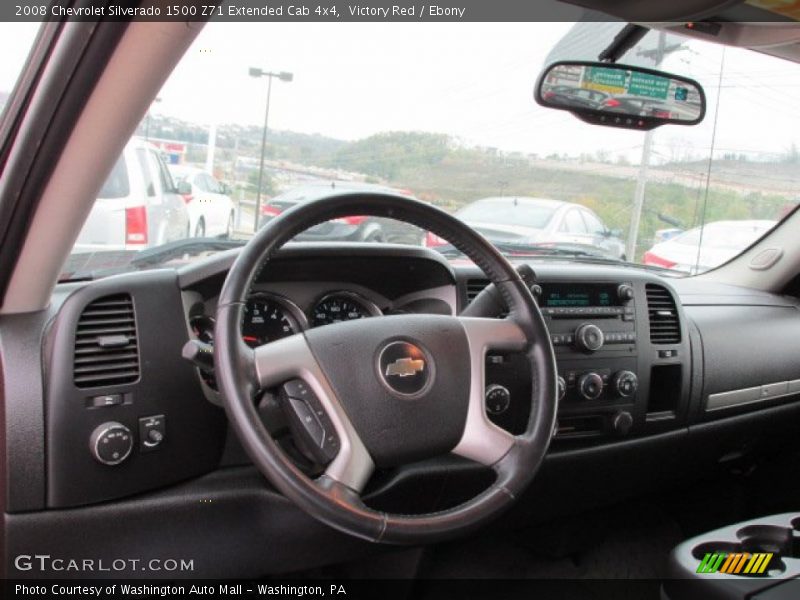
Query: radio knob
x,y
625,383
589,337
590,386
111,443
625,292
497,398
562,387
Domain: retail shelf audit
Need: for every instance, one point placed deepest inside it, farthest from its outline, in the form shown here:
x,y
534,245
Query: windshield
x,y
424,111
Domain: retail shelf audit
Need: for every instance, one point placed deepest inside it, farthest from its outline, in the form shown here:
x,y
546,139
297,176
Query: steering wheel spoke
x,y
483,441
290,363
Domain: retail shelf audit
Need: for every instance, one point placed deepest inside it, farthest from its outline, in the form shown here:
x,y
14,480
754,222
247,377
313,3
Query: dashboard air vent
x,y
106,347
664,325
475,287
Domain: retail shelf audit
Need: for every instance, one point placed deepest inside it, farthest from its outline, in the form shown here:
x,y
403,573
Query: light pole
x,y
283,76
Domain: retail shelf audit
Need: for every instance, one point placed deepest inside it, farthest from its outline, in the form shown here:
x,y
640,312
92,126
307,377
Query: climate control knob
x,y
625,383
590,386
622,422
111,443
589,338
497,398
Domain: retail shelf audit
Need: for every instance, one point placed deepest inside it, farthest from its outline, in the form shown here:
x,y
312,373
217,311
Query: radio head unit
x,y
575,295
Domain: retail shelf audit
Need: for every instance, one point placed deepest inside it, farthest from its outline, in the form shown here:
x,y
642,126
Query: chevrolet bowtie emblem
x,y
405,367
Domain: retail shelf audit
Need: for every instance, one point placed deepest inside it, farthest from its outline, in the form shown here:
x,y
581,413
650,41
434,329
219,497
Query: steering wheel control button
x,y
625,384
309,421
152,431
589,337
498,399
404,368
111,443
590,386
297,388
313,431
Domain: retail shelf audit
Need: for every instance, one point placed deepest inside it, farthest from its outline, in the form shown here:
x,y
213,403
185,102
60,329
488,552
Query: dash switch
x,y
152,431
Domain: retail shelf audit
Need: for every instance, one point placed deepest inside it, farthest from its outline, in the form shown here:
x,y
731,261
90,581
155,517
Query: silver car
x,y
523,221
137,207
706,247
211,210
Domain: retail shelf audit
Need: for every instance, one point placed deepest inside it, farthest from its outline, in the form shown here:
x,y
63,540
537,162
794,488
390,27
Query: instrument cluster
x,y
269,317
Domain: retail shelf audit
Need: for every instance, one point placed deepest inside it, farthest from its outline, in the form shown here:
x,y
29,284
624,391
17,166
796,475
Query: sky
x,y
473,81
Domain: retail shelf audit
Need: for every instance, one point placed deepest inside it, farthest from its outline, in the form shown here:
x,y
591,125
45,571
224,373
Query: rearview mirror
x,y
621,95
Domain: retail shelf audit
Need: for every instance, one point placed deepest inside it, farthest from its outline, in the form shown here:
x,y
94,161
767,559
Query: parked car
x,y
211,210
571,96
635,105
706,247
138,205
357,228
662,235
538,222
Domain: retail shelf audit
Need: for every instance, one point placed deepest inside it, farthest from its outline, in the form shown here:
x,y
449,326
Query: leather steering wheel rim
x,y
333,498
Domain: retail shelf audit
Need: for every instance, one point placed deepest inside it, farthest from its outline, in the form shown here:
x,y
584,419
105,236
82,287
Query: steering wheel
x,y
387,391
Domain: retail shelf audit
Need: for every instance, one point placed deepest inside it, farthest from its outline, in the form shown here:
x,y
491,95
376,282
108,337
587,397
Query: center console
x,y
622,352
758,559
593,331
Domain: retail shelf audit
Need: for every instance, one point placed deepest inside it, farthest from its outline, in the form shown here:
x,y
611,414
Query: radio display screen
x,y
578,295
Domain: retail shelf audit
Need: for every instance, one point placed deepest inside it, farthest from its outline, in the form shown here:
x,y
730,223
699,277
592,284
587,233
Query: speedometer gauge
x,y
342,306
268,318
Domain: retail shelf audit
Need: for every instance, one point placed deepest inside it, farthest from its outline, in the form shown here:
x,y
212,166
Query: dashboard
x,y
661,380
126,413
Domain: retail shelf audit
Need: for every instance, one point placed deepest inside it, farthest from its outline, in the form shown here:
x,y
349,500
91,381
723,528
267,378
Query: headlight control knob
x,y
111,443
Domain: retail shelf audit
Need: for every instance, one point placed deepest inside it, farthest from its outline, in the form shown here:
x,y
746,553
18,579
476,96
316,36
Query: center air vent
x,y
106,348
475,287
664,325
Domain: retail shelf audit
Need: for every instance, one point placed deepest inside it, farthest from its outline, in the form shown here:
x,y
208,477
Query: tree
x,y
267,183
386,155
792,155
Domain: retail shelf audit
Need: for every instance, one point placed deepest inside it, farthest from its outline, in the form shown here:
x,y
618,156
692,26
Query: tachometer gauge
x,y
268,318
342,306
